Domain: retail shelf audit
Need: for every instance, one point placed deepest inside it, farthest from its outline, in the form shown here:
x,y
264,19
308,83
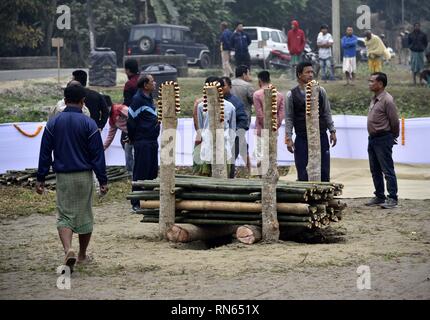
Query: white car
x,y
263,41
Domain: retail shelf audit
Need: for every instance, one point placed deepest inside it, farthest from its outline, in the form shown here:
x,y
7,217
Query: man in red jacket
x,y
296,44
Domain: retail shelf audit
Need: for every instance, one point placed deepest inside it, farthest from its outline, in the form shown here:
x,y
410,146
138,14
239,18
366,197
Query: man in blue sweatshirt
x,y
349,46
143,131
226,49
78,150
240,42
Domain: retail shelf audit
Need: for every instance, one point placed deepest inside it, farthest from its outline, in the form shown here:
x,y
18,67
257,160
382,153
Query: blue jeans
x,y
129,157
381,163
326,63
301,157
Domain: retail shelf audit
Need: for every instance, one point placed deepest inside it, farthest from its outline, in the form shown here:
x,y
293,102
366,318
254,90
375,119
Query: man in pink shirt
x,y
264,83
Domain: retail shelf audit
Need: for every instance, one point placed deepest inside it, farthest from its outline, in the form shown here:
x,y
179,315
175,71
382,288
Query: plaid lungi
x,y
417,61
74,201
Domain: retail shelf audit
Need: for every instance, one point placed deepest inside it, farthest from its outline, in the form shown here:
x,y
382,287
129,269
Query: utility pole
x,y
403,13
335,9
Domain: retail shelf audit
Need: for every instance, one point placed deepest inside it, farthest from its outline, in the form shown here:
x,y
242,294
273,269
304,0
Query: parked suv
x,y
167,39
263,41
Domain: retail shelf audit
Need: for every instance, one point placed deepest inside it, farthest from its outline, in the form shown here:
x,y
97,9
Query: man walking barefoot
x,y
78,151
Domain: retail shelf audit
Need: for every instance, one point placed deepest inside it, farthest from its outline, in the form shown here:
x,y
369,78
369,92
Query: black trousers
x,y
236,150
380,150
301,157
145,163
243,59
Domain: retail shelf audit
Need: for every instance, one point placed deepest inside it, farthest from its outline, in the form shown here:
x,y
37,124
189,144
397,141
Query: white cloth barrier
x,y
18,152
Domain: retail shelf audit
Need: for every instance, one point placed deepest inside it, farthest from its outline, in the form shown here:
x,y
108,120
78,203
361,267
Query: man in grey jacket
x,y
243,88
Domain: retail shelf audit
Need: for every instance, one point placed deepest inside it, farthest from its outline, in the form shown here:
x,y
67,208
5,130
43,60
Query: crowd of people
x,y
72,142
410,47
73,146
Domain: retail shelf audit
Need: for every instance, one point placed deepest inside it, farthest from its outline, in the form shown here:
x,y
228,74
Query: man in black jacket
x,y
94,101
295,117
417,44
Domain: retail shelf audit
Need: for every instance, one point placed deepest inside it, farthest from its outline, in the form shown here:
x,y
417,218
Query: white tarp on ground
x,y
19,152
413,179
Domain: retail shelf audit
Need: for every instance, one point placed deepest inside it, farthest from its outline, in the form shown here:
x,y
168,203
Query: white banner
x,y
19,152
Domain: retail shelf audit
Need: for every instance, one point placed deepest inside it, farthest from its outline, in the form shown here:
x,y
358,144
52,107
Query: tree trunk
x,y
268,194
188,232
313,132
50,20
167,165
91,25
248,234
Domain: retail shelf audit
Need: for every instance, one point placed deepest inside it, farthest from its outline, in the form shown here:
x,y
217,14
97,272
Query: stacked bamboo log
x,y
27,177
216,201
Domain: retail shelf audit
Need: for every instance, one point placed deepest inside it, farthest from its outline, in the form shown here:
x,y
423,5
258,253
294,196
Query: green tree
x,y
19,30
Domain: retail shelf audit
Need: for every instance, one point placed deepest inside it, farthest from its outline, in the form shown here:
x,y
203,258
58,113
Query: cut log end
x,y
248,234
177,233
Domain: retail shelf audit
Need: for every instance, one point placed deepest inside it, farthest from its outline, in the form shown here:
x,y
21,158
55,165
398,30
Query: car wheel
x,y
205,61
146,45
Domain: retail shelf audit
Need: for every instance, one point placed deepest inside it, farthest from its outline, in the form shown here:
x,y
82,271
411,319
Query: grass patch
x,y
21,202
32,101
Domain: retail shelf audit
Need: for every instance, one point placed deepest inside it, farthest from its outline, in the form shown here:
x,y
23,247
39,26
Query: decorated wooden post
x,y
214,106
168,107
269,137
313,131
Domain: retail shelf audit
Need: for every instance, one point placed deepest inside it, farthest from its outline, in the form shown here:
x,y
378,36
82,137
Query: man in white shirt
x,y
229,129
325,43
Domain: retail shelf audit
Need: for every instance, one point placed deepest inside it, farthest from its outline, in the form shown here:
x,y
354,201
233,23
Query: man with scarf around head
x,y
296,41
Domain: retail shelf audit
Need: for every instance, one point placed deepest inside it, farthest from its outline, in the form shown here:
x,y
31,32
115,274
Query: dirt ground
x,y
130,263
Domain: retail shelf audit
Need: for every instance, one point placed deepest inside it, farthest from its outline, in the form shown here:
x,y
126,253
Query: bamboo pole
x,y
202,205
216,127
206,221
169,93
216,215
313,131
271,176
151,184
252,197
